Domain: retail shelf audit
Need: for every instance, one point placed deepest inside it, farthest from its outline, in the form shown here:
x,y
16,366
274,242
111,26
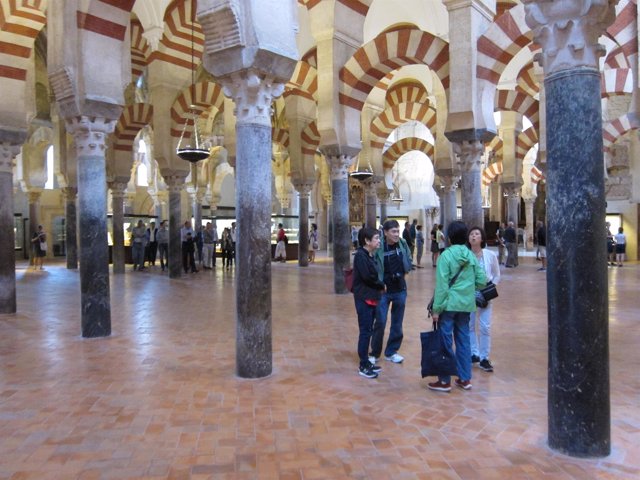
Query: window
x,y
49,184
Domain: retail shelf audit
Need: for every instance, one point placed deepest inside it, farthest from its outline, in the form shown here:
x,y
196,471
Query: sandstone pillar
x,y
579,405
117,221
8,152
89,134
71,226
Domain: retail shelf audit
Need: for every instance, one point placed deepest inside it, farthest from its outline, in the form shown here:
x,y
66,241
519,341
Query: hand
x,y
435,316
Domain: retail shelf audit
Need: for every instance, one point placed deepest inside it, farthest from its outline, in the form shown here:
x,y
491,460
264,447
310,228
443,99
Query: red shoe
x,y
439,386
463,384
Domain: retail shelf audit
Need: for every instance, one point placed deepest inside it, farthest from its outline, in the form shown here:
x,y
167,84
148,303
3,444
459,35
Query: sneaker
x,y
475,359
542,269
367,372
439,386
395,358
463,384
373,360
486,365
375,368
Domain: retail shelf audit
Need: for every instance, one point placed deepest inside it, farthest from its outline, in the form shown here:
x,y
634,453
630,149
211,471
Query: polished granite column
x,y
253,93
470,154
370,203
339,165
329,227
577,283
303,223
529,229
449,207
383,199
175,184
34,216
513,201
71,226
7,238
117,220
89,134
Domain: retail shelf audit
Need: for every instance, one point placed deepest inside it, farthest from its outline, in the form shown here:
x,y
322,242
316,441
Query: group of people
x,y
379,268
280,254
616,247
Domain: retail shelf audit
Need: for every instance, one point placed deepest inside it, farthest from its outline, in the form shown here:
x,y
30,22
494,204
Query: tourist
x,y
163,244
138,242
621,244
209,239
541,240
151,249
419,244
280,254
435,251
313,241
39,241
511,243
188,248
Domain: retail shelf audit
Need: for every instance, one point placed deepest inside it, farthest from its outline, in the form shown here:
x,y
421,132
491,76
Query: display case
x,y
290,223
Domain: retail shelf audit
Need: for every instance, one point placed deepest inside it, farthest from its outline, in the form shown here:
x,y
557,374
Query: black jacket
x,y
366,281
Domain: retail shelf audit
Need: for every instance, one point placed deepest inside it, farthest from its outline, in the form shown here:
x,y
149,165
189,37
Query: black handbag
x,y
485,295
437,359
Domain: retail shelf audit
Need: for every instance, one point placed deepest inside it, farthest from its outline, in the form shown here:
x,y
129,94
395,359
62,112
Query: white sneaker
x,y
372,359
395,358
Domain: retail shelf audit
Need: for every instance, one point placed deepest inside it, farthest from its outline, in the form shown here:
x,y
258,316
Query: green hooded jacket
x,y
461,296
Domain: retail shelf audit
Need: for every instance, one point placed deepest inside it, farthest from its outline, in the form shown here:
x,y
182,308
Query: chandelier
x,y
364,174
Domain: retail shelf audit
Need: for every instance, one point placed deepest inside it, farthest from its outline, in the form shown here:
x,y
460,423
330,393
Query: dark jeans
x,y
188,258
398,300
164,254
366,315
152,250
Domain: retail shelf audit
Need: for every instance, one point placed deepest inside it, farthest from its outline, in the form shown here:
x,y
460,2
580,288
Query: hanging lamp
x,y
192,152
364,174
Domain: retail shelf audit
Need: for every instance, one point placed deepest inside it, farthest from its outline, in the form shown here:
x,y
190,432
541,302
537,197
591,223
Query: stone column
x,y
329,221
34,215
197,208
89,134
7,239
174,185
470,155
339,165
528,210
449,207
117,220
579,404
370,202
71,226
513,202
253,93
323,227
383,198
303,226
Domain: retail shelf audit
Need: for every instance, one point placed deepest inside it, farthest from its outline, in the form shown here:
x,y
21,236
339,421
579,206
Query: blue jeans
x,y
137,252
481,341
366,315
398,300
456,325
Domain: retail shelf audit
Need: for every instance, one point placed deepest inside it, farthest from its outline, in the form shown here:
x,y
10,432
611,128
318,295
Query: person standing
x,y
233,237
541,239
152,245
406,235
227,248
209,239
313,239
621,245
488,261
39,241
280,254
501,246
354,237
440,238
138,239
435,251
611,244
199,242
453,304
188,248
367,291
511,242
413,232
163,244
419,244
393,260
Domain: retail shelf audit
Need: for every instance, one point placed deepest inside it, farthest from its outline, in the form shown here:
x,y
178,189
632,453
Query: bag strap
x,y
455,277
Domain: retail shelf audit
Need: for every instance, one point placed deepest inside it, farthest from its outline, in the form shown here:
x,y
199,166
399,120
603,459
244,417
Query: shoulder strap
x,y
455,277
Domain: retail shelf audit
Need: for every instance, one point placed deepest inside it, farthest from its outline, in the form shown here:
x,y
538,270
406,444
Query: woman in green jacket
x,y
452,304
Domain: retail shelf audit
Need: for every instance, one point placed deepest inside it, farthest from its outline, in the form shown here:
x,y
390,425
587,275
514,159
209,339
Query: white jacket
x,y
491,266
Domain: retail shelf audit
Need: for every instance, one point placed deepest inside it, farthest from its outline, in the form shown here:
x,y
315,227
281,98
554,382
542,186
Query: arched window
x,y
143,180
49,183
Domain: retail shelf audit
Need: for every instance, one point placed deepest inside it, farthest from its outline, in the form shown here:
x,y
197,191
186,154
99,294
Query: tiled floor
x,y
159,398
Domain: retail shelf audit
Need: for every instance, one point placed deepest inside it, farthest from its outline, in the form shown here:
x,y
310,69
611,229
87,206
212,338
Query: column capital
x,y
252,92
69,193
513,190
568,31
339,166
118,189
34,195
303,189
90,133
449,182
384,196
174,180
529,201
8,152
469,154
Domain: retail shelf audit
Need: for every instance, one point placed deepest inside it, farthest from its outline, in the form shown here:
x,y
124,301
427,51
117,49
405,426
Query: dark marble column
x,y
7,239
470,154
303,226
330,227
449,206
117,206
89,135
175,184
197,210
71,226
370,203
383,200
339,165
577,292
34,215
513,201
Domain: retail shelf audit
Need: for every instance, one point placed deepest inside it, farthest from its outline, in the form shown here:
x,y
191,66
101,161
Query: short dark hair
x,y
457,233
483,236
389,224
366,233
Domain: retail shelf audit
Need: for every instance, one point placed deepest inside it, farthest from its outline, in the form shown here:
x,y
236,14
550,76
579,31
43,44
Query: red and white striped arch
x,y
616,59
527,82
140,49
614,129
504,5
310,137
526,141
501,42
311,57
614,82
175,45
132,120
511,100
304,81
359,6
20,24
406,92
202,96
392,118
389,51
491,173
405,145
105,17
536,175
624,29
280,136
